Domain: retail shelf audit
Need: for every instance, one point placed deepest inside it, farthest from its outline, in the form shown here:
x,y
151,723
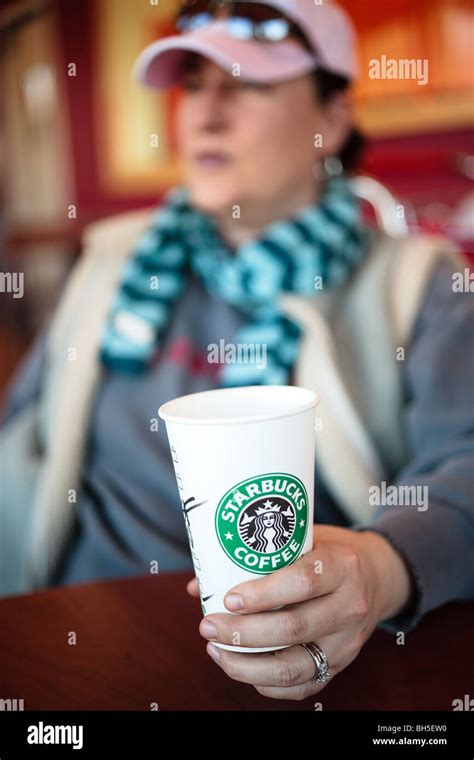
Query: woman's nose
x,y
212,110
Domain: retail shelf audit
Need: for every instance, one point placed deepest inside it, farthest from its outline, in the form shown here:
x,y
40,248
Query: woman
x,y
270,531
262,245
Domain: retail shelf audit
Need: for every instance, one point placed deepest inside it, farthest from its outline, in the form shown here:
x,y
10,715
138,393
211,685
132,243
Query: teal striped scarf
x,y
319,246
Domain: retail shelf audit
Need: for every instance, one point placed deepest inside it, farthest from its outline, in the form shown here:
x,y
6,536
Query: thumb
x,y
192,587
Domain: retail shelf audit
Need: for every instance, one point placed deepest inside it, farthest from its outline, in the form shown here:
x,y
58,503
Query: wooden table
x,y
137,642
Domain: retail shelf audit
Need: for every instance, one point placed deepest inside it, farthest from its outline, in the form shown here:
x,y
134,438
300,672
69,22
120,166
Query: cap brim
x,y
160,65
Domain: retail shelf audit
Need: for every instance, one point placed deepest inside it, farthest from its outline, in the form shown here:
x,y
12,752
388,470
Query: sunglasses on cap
x,y
243,20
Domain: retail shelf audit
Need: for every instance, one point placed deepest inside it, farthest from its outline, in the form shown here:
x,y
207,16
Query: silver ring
x,y
321,662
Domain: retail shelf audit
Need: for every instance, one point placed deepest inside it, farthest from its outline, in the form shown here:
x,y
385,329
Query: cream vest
x,y
348,356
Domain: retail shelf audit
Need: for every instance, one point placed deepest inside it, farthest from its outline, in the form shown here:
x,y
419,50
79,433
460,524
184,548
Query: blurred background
x,y
75,131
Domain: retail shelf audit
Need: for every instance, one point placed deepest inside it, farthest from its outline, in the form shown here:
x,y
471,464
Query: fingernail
x,y
234,601
213,652
208,629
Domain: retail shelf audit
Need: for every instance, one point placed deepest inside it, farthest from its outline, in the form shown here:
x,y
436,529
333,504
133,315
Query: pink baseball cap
x,y
326,26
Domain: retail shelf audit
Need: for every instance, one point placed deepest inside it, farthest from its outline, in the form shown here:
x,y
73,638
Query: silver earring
x,y
333,167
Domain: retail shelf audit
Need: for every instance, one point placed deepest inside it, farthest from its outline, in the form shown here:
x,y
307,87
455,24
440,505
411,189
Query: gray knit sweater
x,y
128,510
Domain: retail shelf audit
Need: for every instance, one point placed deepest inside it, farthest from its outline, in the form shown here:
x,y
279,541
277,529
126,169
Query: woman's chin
x,y
213,197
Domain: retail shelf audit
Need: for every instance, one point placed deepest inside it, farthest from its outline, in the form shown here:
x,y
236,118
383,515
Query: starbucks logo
x,y
261,523
266,525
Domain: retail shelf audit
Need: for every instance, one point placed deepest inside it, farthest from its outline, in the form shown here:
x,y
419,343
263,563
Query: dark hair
x,y
327,84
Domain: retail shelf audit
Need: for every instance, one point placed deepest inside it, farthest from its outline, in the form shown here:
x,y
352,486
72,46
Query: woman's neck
x,y
254,219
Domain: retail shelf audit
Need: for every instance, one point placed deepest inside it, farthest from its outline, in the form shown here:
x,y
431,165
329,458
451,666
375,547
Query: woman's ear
x,y
336,123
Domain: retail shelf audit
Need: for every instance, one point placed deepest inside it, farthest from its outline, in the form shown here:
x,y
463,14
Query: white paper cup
x,y
244,464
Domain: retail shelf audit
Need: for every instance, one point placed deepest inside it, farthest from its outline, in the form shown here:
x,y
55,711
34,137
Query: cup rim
x,y
165,413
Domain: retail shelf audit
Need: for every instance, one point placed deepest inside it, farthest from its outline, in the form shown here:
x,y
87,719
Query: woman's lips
x,y
211,160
